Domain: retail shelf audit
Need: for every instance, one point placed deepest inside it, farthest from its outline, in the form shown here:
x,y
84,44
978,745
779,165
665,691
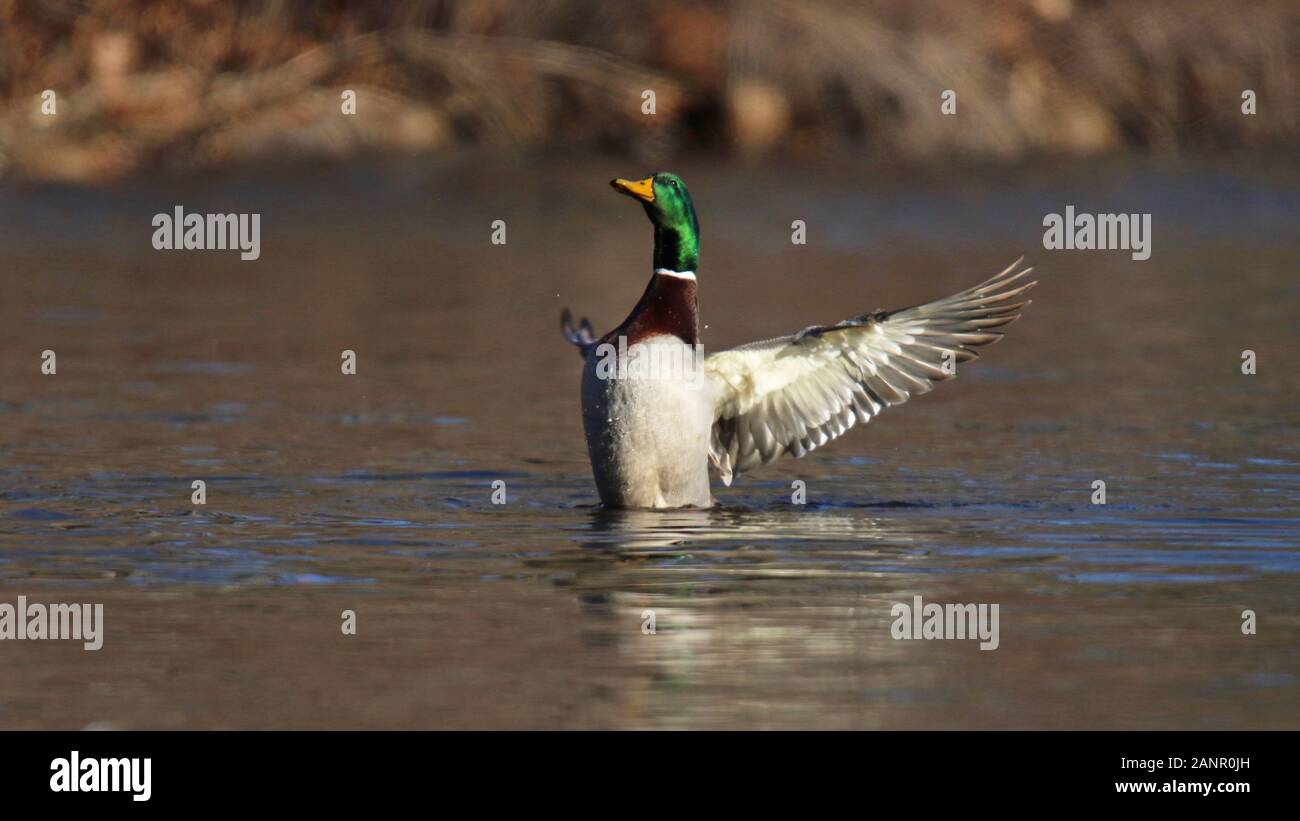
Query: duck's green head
x,y
668,204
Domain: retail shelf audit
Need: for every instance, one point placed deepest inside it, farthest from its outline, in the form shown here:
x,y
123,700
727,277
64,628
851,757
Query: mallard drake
x,y
657,412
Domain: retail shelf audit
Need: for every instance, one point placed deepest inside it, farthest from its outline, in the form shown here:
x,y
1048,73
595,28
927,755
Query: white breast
x,y
648,413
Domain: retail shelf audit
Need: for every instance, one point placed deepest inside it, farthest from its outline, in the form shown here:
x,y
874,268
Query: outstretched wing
x,y
796,393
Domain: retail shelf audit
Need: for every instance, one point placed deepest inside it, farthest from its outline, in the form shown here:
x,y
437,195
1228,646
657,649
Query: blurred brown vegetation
x,y
144,84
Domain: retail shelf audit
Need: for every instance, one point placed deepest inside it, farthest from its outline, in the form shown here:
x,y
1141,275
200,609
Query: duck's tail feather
x,y
578,335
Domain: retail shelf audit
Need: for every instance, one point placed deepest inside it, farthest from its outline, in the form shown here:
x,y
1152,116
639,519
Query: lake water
x,y
372,493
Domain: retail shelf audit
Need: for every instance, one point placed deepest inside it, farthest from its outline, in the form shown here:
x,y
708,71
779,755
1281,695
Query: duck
x,y
658,413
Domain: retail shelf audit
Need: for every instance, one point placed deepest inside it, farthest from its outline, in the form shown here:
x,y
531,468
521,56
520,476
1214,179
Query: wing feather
x,y
793,394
